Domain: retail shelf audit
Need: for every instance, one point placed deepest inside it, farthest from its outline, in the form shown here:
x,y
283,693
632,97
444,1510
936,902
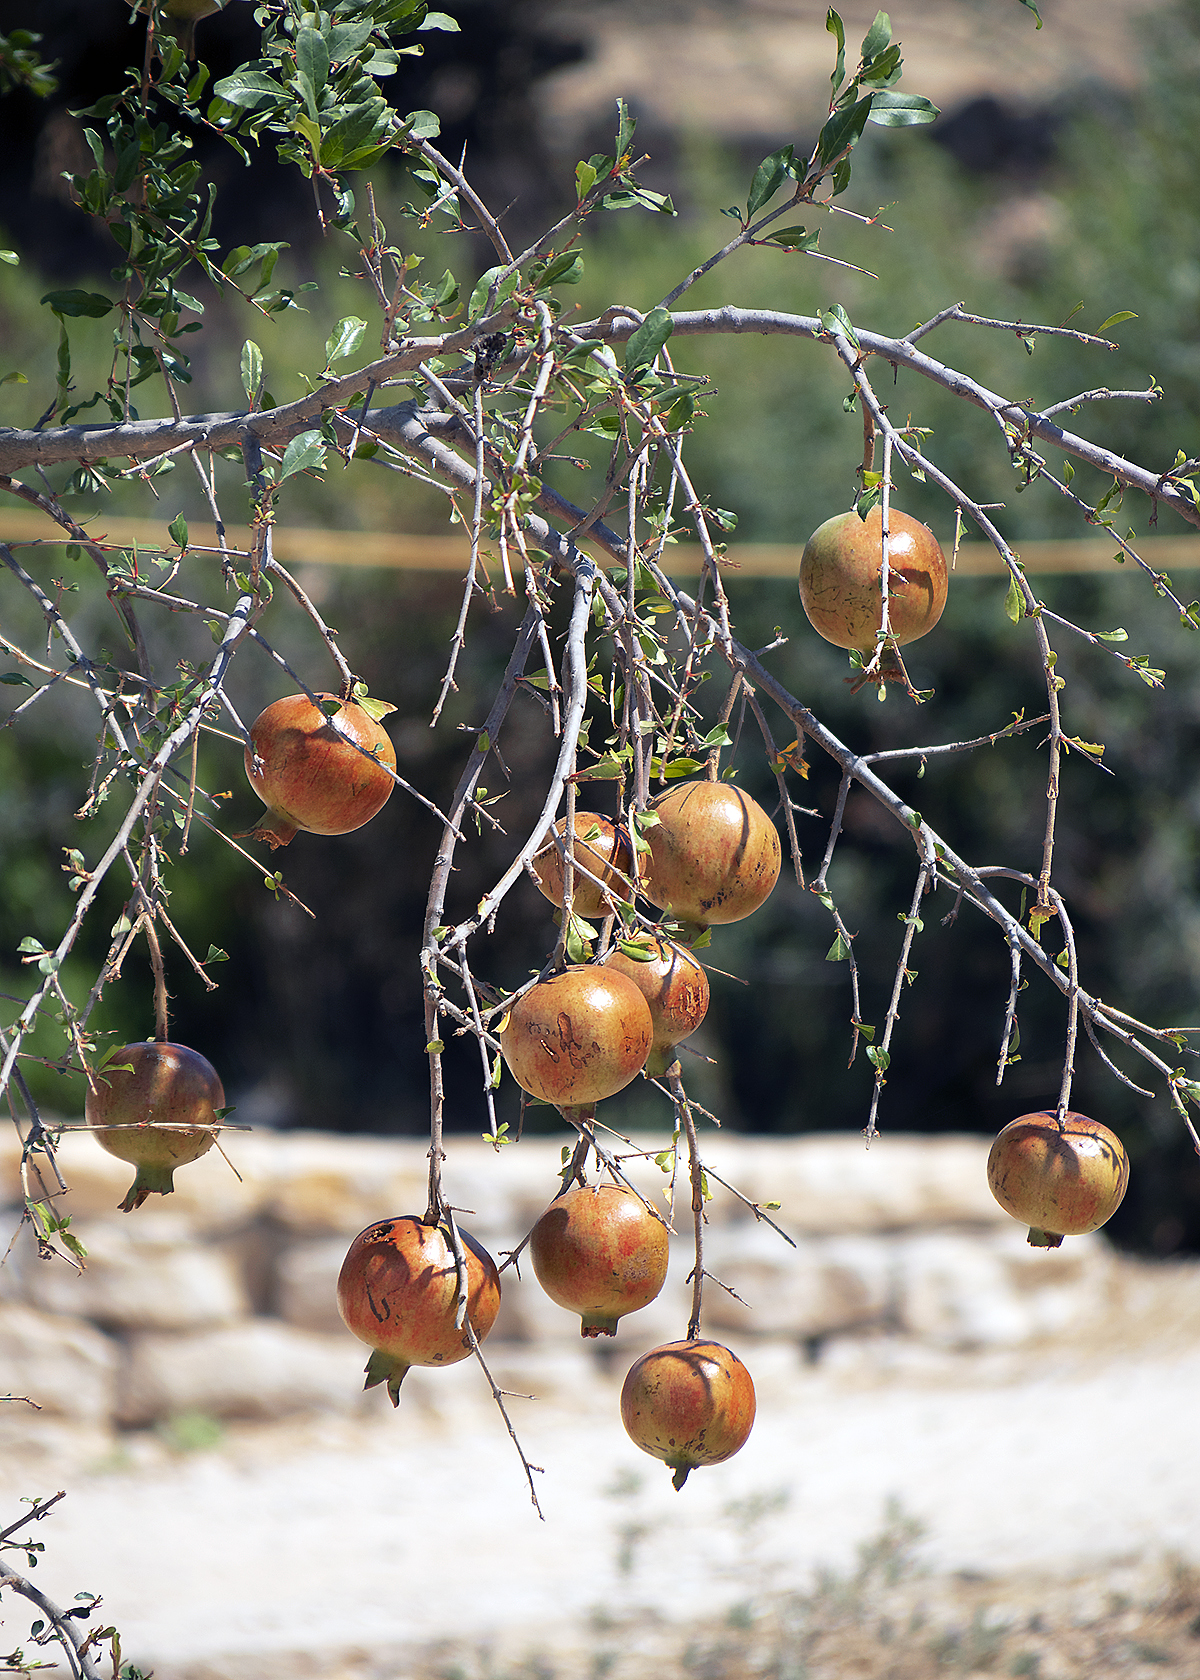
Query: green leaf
x,y
306,451
252,369
833,26
16,377
250,90
770,175
901,110
483,286
1034,10
625,130
649,339
795,238
877,37
9,257
423,125
637,950
346,336
16,679
836,320
585,179
879,1059
439,20
91,304
566,269
843,130
1117,635
312,56
1121,315
839,951
1014,602
177,531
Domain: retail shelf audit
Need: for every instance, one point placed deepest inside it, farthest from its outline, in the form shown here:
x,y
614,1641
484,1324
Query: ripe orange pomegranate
x,y
714,853
839,578
676,988
162,1098
578,1037
602,849
309,776
688,1403
398,1292
1060,1182
601,1253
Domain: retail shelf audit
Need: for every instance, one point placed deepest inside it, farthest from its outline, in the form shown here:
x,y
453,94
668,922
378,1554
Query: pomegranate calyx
x,y
682,1472
660,1061
1043,1239
150,1181
598,1324
385,1367
276,828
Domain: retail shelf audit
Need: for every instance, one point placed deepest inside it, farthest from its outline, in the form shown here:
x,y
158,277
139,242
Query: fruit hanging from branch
x,y
398,1291
840,588
156,1106
688,1403
1060,1181
602,850
673,984
714,854
578,1036
599,1251
305,765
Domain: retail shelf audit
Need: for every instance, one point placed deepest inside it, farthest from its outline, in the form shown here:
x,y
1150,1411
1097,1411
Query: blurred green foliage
x,y
318,1022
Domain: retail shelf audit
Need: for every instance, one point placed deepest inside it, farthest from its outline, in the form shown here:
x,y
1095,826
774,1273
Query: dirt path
x,y
400,1532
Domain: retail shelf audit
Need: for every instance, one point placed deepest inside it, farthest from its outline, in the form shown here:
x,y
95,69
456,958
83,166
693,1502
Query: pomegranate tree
x,y
1059,1180
673,984
840,572
688,1403
156,1106
714,854
601,848
305,766
398,1292
600,1252
578,1037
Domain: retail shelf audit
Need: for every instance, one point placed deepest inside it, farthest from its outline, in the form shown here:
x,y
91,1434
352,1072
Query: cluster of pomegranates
x,y
599,1251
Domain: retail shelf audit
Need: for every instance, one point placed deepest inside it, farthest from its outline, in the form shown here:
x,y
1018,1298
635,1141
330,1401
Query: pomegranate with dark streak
x,y
602,850
688,1403
676,988
599,1252
398,1292
154,1105
578,1037
840,573
714,853
309,775
1060,1181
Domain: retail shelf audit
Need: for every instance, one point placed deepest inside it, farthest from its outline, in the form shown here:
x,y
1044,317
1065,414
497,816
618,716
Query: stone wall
x,y
220,1298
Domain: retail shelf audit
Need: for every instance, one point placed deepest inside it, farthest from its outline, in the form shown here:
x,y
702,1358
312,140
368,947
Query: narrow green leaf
x,y
843,130
901,110
833,26
795,238
585,179
1121,315
1014,602
1034,10
836,320
346,336
252,369
770,175
250,90
877,37
76,303
303,453
16,679
648,340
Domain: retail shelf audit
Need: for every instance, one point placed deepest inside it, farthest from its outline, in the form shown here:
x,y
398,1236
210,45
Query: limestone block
x,y
64,1365
257,1369
831,1183
822,1286
305,1292
961,1291
138,1275
326,1184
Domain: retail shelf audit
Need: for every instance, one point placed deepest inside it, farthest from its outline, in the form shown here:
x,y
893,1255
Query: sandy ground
x,y
316,1546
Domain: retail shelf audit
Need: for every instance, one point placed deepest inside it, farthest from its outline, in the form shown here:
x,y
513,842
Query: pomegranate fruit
x,y
1060,1182
578,1037
839,579
162,1101
397,1291
601,1253
688,1403
676,988
309,776
714,853
602,849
